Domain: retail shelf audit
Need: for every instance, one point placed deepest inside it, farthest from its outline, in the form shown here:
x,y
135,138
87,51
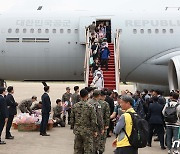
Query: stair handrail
x,y
87,57
117,57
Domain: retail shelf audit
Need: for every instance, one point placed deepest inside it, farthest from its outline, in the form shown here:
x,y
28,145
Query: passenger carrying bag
x,y
139,134
170,113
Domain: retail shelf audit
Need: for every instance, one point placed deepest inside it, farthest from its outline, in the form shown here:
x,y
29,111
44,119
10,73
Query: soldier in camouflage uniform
x,y
75,98
58,110
25,105
84,125
66,99
95,102
37,106
106,119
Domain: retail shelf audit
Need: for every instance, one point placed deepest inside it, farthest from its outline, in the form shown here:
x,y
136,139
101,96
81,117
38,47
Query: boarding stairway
x,y
109,76
112,76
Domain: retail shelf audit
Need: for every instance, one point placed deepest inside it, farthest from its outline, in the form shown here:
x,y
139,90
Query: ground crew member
x,y
58,110
75,98
67,104
106,119
25,105
84,125
95,102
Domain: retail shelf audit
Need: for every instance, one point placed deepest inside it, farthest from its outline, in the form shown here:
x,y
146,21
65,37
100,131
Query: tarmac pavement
x,y
61,139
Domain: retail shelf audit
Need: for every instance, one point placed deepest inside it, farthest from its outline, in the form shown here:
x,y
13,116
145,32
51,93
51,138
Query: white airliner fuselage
x,y
45,46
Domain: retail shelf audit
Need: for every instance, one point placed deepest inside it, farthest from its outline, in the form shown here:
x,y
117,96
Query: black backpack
x,y
138,137
170,113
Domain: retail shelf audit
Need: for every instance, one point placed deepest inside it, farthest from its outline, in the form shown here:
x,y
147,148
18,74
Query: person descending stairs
x,y
109,75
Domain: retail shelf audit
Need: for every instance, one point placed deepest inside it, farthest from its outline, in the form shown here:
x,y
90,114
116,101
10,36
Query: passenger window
x,y
9,30
54,30
69,31
31,30
135,31
164,31
17,30
76,31
61,30
24,30
156,31
149,31
39,30
142,31
46,30
171,31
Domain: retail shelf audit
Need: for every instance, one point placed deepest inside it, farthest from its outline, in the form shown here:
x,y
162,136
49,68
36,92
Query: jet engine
x,y
174,73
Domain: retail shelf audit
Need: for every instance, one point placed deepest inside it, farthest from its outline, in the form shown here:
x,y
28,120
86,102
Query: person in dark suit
x,y
46,109
3,112
12,111
156,123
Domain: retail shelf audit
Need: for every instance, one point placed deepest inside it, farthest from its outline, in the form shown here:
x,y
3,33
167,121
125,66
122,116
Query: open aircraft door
x,y
83,23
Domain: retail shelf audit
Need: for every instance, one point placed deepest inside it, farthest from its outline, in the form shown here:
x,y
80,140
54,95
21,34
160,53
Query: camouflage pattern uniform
x,y
36,107
84,125
100,123
57,115
25,106
106,119
66,98
75,98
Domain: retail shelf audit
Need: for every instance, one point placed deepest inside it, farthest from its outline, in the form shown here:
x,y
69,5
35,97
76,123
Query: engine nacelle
x,y
174,73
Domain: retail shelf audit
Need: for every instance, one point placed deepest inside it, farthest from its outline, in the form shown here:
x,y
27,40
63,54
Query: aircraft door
x,y
83,23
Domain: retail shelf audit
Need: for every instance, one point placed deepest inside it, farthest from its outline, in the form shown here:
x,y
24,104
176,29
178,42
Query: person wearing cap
x,y
100,123
12,111
106,120
25,105
104,54
3,112
105,43
67,104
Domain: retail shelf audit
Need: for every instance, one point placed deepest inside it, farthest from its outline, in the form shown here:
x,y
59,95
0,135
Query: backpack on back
x,y
138,137
170,113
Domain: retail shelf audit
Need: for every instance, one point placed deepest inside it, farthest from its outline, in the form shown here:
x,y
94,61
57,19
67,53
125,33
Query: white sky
x,y
150,5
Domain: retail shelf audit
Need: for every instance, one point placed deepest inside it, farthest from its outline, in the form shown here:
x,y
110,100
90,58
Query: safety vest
x,y
128,127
